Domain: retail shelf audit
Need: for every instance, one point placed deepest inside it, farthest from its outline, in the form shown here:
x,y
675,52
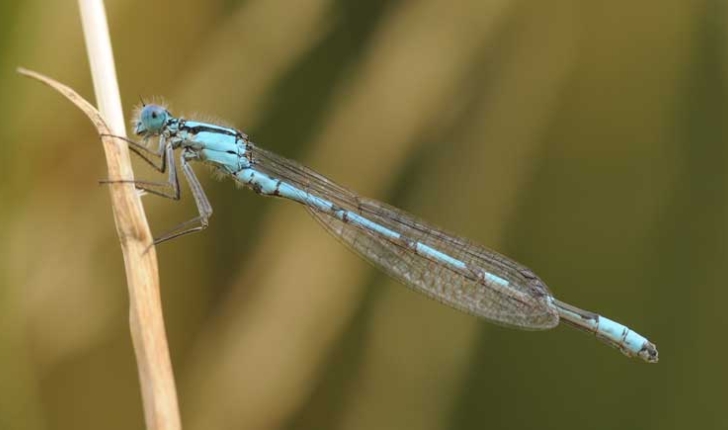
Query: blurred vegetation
x,y
584,139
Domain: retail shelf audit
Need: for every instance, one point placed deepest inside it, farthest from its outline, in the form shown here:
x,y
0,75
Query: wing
x,y
524,302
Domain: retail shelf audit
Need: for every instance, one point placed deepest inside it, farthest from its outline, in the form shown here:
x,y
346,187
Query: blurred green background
x,y
586,140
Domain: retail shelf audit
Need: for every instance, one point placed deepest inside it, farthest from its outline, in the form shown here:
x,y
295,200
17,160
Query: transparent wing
x,y
525,303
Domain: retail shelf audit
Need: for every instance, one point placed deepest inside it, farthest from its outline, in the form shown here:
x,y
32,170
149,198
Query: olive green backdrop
x,y
586,140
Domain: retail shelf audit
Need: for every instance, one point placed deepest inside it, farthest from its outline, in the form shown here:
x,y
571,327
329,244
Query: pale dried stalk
x,y
147,324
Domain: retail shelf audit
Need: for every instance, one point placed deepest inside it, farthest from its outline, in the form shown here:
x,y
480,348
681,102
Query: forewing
x,y
524,303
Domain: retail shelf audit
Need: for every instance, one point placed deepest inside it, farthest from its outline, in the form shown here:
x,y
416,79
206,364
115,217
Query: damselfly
x,y
443,266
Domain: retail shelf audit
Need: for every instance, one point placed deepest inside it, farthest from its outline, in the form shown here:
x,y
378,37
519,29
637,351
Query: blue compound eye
x,y
152,120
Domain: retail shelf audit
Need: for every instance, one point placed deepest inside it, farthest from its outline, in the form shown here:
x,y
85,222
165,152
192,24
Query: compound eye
x,y
152,120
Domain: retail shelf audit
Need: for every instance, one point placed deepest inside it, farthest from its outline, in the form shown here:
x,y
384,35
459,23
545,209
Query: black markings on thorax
x,y
201,127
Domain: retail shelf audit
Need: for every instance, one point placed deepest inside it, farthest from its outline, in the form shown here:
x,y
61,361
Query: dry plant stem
x,y
147,325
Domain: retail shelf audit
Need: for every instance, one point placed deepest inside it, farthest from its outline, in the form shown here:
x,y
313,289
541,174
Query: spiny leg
x,y
145,153
169,189
204,208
